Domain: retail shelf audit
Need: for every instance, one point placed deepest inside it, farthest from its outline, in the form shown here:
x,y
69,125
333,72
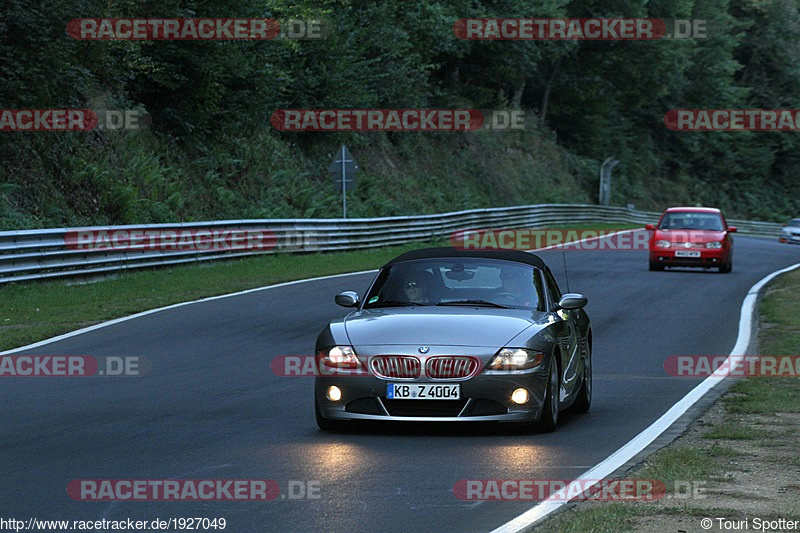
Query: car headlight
x,y
515,359
339,357
714,245
662,244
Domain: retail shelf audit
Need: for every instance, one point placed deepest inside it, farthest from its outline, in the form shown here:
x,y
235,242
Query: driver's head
x,y
415,287
514,280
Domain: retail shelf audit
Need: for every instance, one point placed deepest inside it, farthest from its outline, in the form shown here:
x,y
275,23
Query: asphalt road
x,y
212,408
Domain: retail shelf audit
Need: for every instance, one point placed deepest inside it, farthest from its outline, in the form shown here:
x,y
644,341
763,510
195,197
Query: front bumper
x,y
485,397
709,257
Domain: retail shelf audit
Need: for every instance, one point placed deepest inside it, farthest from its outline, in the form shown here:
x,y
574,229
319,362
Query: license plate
x,y
423,391
686,253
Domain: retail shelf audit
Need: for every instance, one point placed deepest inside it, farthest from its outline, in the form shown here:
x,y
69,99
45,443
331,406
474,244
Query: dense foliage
x,y
209,151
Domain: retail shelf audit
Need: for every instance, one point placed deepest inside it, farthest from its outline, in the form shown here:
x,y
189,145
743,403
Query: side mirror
x,y
731,229
650,227
572,301
347,299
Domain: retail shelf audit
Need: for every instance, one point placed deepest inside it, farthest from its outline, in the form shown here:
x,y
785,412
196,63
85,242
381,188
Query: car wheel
x,y
549,418
727,267
325,423
584,400
656,266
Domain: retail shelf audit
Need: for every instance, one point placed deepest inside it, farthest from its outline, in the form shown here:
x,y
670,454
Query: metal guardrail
x,y
43,253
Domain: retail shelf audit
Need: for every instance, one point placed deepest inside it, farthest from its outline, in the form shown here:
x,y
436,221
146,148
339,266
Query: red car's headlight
x,y
713,245
662,244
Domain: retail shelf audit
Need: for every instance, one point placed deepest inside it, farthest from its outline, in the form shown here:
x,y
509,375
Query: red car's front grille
x,y
450,366
395,366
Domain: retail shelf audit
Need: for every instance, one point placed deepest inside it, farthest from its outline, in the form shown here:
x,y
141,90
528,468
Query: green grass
x,y
30,312
780,316
597,517
780,335
678,464
732,430
718,450
764,395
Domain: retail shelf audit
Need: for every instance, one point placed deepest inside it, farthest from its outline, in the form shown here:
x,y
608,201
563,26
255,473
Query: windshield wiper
x,y
475,302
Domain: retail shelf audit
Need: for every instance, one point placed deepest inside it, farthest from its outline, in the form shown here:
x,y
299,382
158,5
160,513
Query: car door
x,y
568,338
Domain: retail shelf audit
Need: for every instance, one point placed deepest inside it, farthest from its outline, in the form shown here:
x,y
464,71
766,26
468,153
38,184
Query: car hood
x,y
440,326
689,235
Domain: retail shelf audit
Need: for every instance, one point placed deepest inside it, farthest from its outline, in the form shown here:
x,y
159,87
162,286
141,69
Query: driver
x,y
415,288
520,284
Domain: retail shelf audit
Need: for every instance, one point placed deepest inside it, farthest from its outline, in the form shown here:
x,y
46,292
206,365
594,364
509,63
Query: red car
x,y
691,237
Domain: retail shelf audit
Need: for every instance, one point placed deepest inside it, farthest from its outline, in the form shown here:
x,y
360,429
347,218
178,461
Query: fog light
x,y
334,394
520,396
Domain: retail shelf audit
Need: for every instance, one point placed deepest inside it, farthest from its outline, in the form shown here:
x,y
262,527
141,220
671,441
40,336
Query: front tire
x,y
654,266
727,267
549,418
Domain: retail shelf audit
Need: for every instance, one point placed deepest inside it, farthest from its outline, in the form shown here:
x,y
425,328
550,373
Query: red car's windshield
x,y
688,220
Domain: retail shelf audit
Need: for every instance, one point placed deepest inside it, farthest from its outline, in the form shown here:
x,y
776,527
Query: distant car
x,y
447,335
791,232
691,237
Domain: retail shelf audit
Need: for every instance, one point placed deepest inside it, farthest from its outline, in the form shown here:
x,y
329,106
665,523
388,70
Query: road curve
x,y
212,408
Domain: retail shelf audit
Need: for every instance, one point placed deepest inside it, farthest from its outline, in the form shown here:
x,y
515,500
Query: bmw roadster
x,y
450,336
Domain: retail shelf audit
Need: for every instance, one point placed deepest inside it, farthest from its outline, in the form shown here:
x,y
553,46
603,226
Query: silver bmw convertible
x,y
447,335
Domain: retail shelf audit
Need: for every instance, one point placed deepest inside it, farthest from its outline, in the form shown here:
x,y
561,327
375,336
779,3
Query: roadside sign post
x,y
605,180
344,170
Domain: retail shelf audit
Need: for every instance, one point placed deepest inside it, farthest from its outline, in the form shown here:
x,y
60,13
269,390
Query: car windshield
x,y
696,221
456,282
795,222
